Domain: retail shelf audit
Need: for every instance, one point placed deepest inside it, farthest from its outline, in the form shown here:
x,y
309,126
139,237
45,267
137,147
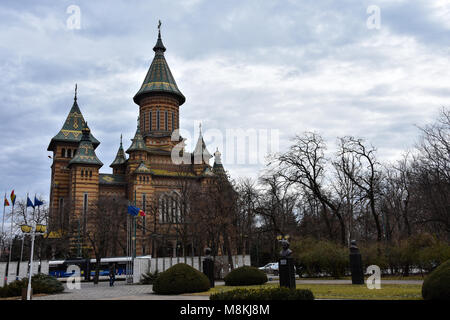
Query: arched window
x,y
90,174
82,172
170,208
63,152
69,153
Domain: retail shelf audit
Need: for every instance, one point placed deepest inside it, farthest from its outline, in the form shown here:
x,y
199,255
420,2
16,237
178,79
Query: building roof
x,y
112,179
120,156
138,143
85,153
71,130
142,168
200,151
159,79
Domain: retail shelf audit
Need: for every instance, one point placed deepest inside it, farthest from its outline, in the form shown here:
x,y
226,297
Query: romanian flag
x,y
135,211
13,197
6,203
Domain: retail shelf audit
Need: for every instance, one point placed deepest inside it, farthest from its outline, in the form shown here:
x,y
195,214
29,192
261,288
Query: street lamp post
x,y
36,229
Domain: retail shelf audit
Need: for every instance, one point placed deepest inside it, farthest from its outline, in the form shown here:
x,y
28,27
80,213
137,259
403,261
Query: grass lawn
x,y
345,291
383,277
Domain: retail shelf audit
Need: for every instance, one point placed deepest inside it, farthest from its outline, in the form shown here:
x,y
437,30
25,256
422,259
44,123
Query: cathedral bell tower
x,y
159,100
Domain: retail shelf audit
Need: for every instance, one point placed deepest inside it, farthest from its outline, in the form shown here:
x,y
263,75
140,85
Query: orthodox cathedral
x,y
144,171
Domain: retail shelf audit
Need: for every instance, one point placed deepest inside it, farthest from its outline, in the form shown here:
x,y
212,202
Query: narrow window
x,y
144,203
166,121
82,172
69,153
90,174
85,211
157,120
63,152
150,120
61,211
173,121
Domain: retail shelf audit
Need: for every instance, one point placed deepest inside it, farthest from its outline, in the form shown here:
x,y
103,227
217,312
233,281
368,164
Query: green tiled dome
x,y
159,79
71,130
138,143
120,156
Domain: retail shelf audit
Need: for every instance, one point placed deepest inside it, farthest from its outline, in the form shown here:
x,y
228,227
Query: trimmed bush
x,y
180,278
436,286
264,294
40,283
244,276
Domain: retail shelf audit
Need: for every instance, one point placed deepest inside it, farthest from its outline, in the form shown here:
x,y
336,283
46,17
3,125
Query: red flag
x,y
142,213
6,203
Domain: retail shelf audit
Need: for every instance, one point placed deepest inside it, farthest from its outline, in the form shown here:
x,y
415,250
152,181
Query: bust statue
x,y
285,251
208,254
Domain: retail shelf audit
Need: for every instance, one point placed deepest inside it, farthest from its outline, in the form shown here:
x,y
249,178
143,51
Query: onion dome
x,y
85,153
159,79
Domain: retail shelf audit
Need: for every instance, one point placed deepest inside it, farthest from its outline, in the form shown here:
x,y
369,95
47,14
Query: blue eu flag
x,y
29,203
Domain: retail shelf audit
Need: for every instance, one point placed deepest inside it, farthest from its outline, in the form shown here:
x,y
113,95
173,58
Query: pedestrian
x,y
112,275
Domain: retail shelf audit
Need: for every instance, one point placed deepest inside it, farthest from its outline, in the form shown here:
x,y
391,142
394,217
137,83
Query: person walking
x,y
112,275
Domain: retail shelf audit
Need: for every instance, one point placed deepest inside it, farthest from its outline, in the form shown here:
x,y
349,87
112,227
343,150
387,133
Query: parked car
x,y
270,268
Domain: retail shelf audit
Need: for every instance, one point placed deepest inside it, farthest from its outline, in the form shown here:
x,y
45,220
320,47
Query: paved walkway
x,y
122,291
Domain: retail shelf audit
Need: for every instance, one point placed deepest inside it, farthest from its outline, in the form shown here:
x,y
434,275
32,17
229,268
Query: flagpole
x,y
10,244
3,224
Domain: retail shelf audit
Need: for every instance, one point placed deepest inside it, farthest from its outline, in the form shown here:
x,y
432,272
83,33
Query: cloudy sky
x,y
281,66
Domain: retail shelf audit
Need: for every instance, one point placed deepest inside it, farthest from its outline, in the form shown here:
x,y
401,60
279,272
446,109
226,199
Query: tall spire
x,y
120,156
75,97
138,143
159,79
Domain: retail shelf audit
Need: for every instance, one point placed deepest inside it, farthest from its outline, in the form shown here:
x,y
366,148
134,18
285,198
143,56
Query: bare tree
x,y
366,174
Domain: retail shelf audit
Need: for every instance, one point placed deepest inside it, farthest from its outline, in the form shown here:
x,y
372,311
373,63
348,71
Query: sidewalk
x,y
122,291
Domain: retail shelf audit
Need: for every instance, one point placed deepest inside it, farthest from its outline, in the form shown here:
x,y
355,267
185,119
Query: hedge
x,y
264,294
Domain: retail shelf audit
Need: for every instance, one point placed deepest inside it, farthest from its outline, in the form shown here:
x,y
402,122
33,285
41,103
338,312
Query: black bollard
x,y
356,266
208,267
286,268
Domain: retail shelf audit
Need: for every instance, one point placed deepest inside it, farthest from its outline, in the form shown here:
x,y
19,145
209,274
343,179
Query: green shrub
x,y
315,257
264,294
436,285
149,278
180,278
245,275
40,283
